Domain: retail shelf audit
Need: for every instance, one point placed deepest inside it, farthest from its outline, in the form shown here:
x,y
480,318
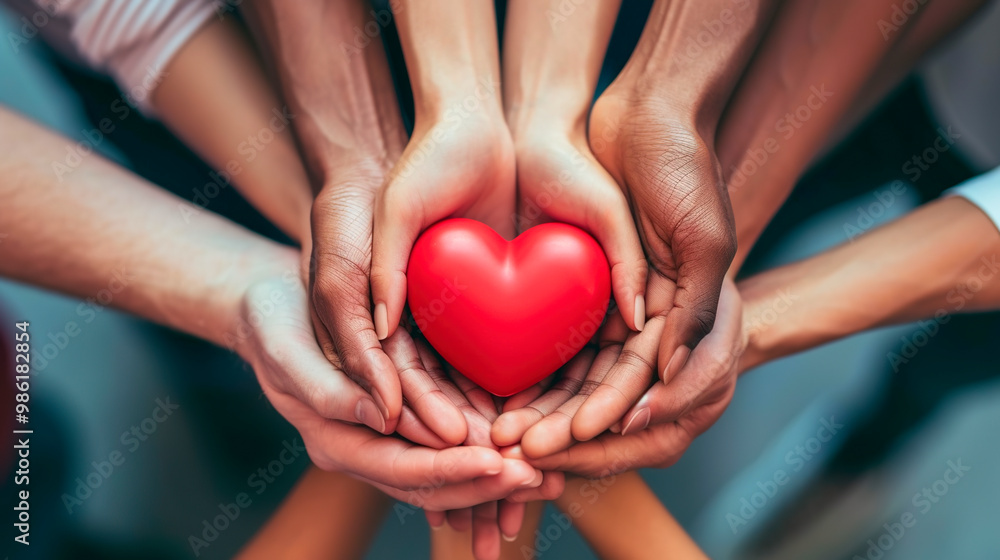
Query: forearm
x,y
692,52
939,260
627,520
326,515
551,65
241,129
336,80
801,84
451,57
100,232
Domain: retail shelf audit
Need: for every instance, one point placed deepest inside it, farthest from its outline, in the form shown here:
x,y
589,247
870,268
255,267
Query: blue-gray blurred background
x,y
901,430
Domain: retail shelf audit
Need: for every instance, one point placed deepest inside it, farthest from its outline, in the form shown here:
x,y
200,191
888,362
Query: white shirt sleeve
x,y
132,40
984,192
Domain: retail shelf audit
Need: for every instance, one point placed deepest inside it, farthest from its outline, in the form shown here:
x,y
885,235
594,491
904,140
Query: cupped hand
x,y
276,336
670,175
672,181
559,179
658,429
338,267
458,164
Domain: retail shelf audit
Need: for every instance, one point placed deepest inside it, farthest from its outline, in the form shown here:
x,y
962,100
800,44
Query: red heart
x,y
507,314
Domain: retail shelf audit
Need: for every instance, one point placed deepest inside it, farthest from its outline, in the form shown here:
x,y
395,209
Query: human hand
x,y
672,182
456,164
660,427
558,179
276,337
670,175
339,266
489,521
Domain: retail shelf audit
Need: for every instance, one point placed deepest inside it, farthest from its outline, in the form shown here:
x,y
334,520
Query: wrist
x,y
769,318
241,306
560,113
645,91
476,96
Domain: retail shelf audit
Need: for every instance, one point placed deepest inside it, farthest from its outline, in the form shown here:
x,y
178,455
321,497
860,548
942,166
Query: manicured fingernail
x,y
637,423
676,362
640,312
381,321
510,538
367,413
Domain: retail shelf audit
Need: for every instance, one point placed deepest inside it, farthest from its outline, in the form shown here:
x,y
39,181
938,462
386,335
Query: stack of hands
x,y
644,169
664,169
639,172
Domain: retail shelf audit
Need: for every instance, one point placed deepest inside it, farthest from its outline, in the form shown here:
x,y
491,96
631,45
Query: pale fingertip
x,y
381,317
639,316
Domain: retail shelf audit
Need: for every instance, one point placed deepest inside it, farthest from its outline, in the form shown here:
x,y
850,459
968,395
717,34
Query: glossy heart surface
x,y
506,314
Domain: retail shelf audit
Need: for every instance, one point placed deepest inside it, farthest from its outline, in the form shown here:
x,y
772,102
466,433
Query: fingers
x,y
485,532
614,228
510,517
510,426
421,392
339,289
479,398
659,446
402,465
399,219
703,260
307,375
394,238
514,475
412,428
554,432
460,519
626,381
553,485
435,519
707,375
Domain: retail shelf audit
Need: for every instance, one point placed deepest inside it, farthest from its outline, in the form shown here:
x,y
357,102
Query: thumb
x,y
696,300
311,379
397,224
616,233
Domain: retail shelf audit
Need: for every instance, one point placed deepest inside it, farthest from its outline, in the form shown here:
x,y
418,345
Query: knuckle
x,y
634,361
588,387
703,320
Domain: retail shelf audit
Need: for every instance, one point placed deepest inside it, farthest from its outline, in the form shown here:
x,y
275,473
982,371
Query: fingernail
x,y
380,403
616,428
637,423
510,538
367,413
381,321
676,362
640,312
436,527
534,482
